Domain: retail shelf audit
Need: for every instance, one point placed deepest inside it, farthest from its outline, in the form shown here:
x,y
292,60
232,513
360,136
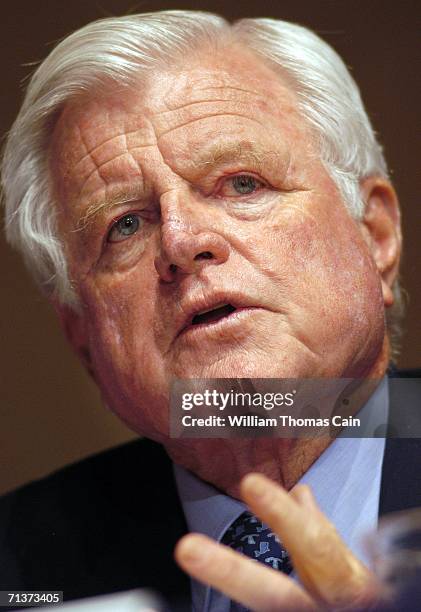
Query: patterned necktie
x,y
248,535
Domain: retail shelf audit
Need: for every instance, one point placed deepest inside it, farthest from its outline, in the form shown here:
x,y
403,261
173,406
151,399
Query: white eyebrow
x,y
114,197
250,152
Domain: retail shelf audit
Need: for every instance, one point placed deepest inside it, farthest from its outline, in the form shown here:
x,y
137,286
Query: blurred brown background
x,y
50,412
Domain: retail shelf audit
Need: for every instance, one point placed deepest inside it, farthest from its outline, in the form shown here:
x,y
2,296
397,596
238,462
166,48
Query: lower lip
x,y
220,325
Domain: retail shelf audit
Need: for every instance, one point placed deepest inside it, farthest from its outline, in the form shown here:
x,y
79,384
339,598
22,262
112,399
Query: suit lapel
x,y
401,472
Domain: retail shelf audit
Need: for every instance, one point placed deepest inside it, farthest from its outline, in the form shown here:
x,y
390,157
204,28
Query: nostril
x,y
173,268
203,255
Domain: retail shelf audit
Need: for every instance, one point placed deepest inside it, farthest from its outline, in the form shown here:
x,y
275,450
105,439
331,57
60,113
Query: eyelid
x,y
116,219
241,173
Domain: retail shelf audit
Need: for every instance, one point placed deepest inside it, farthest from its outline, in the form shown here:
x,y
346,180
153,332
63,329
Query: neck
x,y
224,462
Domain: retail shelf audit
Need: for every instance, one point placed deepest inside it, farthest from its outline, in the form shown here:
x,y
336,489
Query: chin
x,y
248,364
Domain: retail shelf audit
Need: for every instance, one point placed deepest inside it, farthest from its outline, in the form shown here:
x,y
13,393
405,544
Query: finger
x,y
303,495
325,565
242,579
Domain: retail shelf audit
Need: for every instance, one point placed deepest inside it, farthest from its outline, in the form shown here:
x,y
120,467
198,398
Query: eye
x,y
241,184
123,228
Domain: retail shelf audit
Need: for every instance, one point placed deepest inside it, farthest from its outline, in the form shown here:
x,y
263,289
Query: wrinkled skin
x,y
315,280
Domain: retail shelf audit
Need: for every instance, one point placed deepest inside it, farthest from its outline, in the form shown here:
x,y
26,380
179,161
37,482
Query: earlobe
x,y
73,325
388,297
382,230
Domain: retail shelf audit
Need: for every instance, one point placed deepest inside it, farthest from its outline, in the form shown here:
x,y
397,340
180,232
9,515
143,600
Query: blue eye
x,y
244,183
241,184
124,228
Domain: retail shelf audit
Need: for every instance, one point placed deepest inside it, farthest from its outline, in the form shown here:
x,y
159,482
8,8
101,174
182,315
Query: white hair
x,y
121,49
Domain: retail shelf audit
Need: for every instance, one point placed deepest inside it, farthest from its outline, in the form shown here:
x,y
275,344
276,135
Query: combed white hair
x,y
121,49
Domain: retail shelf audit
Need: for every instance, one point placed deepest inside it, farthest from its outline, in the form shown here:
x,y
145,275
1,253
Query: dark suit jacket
x,y
111,522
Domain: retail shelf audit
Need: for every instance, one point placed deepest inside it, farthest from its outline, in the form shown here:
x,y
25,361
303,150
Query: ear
x,y
381,228
74,327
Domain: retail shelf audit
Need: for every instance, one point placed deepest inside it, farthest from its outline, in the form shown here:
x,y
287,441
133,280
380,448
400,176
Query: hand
x,y
332,577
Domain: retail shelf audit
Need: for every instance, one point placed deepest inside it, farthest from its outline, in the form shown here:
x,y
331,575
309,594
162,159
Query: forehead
x,y
183,111
237,74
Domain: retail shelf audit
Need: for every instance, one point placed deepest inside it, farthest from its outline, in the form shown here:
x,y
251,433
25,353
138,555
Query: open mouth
x,y
212,315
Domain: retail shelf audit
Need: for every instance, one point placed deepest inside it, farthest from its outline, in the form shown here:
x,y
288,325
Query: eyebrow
x,y
113,197
245,151
216,154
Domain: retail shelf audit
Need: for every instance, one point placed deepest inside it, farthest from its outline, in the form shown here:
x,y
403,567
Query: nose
x,y
186,245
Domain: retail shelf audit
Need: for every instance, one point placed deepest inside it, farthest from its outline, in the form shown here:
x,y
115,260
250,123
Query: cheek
x,y
126,364
329,285
120,306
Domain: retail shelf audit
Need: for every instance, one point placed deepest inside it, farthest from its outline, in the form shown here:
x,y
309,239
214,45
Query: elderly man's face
x,y
203,190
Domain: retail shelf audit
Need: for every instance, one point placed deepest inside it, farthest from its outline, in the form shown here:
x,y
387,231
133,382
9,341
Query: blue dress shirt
x,y
345,480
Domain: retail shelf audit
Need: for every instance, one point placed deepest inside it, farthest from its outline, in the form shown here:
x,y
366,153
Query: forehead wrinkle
x,y
234,88
205,118
211,94
90,153
187,105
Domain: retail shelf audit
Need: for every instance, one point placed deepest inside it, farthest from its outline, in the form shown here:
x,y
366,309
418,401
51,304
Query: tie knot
x,y
248,535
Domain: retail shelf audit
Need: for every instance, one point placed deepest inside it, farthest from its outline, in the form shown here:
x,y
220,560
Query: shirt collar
x,y
345,480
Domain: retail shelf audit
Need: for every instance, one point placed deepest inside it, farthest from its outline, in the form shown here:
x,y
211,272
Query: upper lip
x,y
194,306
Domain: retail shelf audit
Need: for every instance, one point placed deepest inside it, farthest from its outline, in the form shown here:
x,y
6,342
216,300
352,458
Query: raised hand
x,y
331,577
